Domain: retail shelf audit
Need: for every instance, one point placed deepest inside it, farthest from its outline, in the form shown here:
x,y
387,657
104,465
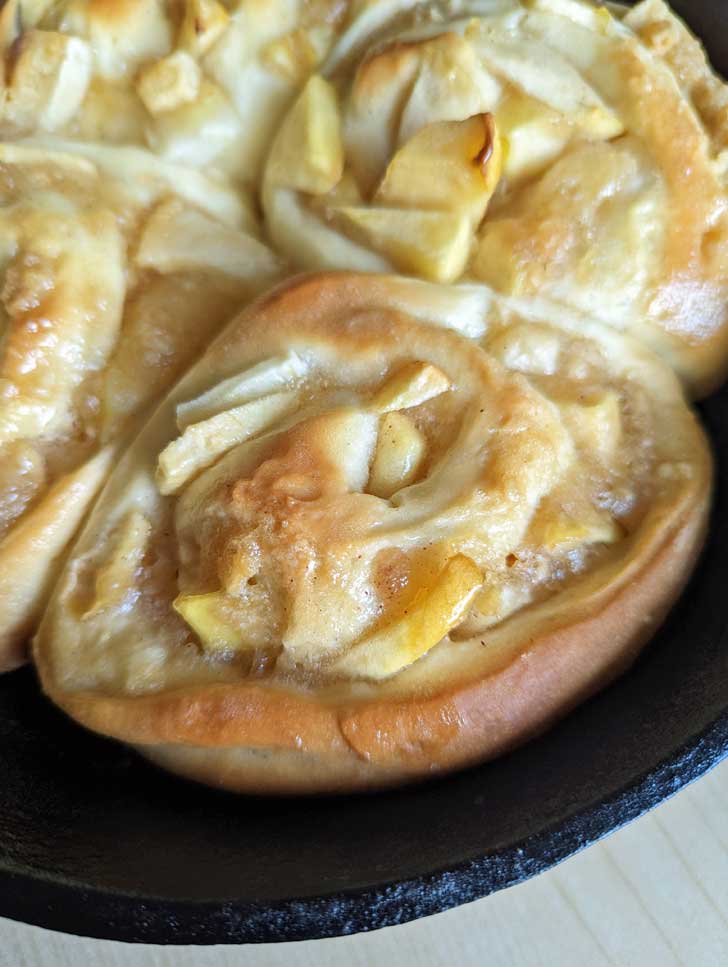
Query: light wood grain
x,y
654,894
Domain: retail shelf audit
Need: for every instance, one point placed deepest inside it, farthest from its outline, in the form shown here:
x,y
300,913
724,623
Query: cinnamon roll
x,y
383,529
549,148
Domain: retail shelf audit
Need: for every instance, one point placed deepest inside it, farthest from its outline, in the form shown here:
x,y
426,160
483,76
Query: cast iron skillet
x,y
93,841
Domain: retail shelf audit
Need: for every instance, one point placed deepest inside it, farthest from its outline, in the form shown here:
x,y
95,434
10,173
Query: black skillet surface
x,y
94,841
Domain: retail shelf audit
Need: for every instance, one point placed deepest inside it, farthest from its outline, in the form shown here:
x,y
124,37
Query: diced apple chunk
x,y
431,244
447,166
398,456
308,154
211,620
432,613
204,22
554,528
49,80
260,380
413,384
346,438
170,82
202,443
117,575
595,424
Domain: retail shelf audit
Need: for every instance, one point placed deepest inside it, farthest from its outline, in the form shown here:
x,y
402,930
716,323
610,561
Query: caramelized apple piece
x,y
307,154
555,528
211,620
170,82
398,456
434,245
432,613
447,166
413,384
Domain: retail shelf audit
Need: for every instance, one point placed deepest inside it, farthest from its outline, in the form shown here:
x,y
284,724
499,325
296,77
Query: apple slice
x,y
434,245
432,613
555,528
451,84
49,80
260,380
116,576
307,236
210,619
534,135
307,154
177,238
449,166
413,384
543,73
202,443
398,456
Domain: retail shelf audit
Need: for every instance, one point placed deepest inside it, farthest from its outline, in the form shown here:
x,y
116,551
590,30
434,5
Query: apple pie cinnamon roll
x,y
549,148
383,529
115,269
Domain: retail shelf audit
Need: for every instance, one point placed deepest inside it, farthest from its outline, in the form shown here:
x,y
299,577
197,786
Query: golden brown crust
x,y
666,36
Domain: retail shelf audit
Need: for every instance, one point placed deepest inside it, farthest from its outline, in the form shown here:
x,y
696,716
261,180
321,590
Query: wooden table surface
x,y
654,893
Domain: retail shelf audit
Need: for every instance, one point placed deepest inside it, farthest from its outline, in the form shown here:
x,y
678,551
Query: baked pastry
x,y
199,82
116,269
383,529
547,147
